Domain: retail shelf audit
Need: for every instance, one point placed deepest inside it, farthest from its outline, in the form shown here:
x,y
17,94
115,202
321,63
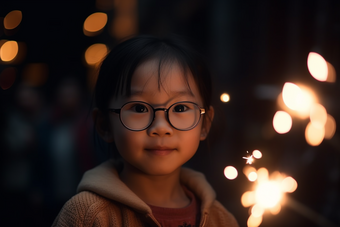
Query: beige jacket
x,y
104,200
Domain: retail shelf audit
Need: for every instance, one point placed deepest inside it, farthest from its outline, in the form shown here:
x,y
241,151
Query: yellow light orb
x,y
248,198
95,53
317,66
230,172
318,115
9,51
257,154
225,97
12,19
252,176
254,221
314,136
289,184
330,127
94,23
282,122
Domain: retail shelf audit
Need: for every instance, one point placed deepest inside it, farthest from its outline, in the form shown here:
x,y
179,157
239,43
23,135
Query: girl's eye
x,y
140,108
180,108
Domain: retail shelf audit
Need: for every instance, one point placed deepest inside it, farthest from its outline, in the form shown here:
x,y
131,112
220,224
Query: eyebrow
x,y
174,94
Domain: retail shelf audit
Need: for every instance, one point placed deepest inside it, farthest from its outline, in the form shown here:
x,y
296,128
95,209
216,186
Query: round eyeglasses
x,y
137,116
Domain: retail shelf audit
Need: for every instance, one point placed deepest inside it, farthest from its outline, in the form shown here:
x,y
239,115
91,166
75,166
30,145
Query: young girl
x,y
153,103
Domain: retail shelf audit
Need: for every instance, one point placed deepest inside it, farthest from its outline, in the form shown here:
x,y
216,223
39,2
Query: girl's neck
x,y
161,191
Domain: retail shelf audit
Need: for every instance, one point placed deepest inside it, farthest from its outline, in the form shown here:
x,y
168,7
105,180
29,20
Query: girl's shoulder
x,y
220,215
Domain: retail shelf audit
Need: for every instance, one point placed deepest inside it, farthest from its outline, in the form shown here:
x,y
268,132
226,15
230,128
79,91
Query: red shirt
x,y
188,216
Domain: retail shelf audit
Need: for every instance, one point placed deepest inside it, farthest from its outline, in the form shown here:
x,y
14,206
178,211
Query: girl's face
x,y
159,149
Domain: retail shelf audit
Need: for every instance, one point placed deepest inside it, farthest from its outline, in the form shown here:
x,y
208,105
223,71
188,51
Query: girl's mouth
x,y
160,150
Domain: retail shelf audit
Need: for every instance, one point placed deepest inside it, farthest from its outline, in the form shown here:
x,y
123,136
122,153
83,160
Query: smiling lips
x,y
160,150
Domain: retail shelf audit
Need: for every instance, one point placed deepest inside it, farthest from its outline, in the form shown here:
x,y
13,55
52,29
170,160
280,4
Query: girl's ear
x,y
208,118
102,126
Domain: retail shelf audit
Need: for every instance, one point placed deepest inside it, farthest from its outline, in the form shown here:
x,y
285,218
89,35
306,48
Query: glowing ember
x,y
250,159
230,172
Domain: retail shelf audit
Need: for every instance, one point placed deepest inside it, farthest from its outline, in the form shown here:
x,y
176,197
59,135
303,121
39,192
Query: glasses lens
x,y
184,115
136,115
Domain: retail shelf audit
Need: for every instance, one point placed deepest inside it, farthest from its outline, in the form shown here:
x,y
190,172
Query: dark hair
x,y
116,71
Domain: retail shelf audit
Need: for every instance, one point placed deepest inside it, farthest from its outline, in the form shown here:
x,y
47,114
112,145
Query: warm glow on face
x,y
268,194
12,19
94,23
225,97
314,136
330,127
317,66
252,176
289,184
282,122
254,221
95,53
318,115
9,51
248,199
257,154
230,172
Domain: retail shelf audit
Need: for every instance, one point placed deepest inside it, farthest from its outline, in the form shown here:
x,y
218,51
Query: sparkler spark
x,y
250,159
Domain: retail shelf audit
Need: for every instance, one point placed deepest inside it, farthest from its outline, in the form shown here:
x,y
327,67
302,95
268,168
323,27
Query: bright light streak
x,y
330,127
318,115
9,51
254,221
230,172
95,53
289,184
252,176
250,159
94,23
12,19
314,136
225,97
282,122
257,154
317,66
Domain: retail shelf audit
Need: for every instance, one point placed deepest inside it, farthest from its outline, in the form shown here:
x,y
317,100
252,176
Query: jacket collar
x,y
104,180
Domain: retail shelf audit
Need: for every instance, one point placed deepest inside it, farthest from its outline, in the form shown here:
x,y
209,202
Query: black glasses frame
x,y
117,111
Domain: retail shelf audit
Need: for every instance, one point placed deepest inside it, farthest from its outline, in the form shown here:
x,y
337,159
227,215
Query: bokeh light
x,y
248,169
297,98
257,154
330,127
254,221
314,136
252,176
318,115
94,23
317,66
257,210
248,198
230,172
35,74
289,184
7,77
9,51
95,53
225,97
282,122
331,77
12,19
268,194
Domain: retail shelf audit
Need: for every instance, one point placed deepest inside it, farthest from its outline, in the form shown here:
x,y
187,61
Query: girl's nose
x,y
160,125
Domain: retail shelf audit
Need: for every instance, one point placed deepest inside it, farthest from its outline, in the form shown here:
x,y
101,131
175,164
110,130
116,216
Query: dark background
x,y
248,44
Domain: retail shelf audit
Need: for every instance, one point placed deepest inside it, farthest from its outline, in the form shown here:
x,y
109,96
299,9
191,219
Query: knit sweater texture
x,y
104,200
